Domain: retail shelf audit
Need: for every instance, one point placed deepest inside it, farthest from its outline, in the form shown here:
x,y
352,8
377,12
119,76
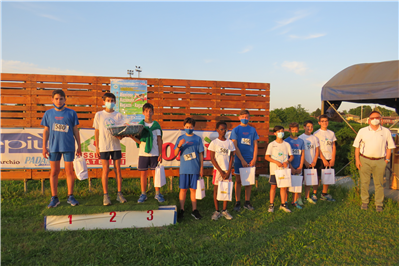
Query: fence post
x,y
25,185
171,183
89,184
43,186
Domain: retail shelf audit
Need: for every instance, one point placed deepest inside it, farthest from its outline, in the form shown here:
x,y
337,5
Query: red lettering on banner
x,y
171,152
208,153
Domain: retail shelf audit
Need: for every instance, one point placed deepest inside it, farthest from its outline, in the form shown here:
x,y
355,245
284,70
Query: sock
x,y
324,194
247,202
70,195
105,194
271,204
156,192
143,192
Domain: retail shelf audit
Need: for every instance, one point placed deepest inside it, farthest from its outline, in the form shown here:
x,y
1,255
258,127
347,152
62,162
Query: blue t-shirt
x,y
189,154
245,137
297,145
60,124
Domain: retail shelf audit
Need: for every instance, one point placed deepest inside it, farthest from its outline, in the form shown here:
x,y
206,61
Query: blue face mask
x,y
280,135
244,121
109,105
189,131
59,108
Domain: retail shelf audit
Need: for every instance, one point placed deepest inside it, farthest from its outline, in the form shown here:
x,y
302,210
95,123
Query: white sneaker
x,y
227,215
284,208
216,215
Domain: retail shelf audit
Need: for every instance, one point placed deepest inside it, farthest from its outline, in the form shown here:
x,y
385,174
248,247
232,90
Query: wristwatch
x,y
387,160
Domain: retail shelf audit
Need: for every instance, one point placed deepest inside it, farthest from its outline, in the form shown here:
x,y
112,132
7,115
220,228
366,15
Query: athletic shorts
x,y
218,177
188,181
146,163
238,165
56,156
115,155
272,180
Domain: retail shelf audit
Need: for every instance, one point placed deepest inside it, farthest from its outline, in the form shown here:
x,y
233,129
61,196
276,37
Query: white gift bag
x,y
310,176
247,175
296,184
159,178
225,191
200,192
80,167
283,177
328,176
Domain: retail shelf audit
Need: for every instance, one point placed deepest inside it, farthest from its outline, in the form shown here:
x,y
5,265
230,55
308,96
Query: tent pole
x,y
394,124
322,107
341,116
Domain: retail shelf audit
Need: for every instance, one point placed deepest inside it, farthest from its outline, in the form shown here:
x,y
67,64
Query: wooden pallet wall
x,y
25,98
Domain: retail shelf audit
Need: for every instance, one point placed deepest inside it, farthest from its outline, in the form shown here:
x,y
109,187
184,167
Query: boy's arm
x,y
269,159
325,162
288,162
255,155
77,137
238,153
230,163
96,139
135,139
201,155
216,165
334,151
160,144
313,164
45,139
299,169
177,148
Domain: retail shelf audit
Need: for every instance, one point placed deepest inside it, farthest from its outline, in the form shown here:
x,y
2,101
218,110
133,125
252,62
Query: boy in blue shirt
x,y
61,131
298,150
245,139
191,150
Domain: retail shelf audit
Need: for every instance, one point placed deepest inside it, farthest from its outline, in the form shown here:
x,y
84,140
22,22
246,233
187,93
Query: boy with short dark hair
x,y
245,139
326,158
191,150
298,150
279,154
222,154
311,155
150,151
61,131
108,146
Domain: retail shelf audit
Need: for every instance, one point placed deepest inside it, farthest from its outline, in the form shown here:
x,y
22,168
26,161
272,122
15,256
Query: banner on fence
x,y
21,148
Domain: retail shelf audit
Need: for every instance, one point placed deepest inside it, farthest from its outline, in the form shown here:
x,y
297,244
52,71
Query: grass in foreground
x,y
326,233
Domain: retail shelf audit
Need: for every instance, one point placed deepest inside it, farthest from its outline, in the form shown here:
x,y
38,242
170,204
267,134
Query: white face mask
x,y
375,122
280,135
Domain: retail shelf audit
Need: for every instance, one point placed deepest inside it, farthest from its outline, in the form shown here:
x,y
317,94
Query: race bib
x,y
246,141
296,152
190,156
60,127
224,151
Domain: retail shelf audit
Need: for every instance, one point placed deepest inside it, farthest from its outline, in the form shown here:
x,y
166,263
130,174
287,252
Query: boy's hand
x,y
279,164
181,142
253,162
332,162
326,163
98,152
45,153
160,158
285,164
244,163
224,175
119,137
79,151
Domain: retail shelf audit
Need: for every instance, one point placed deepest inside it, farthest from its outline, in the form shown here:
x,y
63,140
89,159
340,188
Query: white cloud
x,y
207,61
299,15
50,17
294,66
308,37
246,49
10,66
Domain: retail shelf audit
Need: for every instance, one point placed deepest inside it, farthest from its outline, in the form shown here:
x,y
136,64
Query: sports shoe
x,y
180,214
271,208
54,202
216,215
120,198
379,208
71,200
159,198
296,204
365,206
142,198
310,200
196,215
237,207
106,200
314,197
285,208
227,215
327,197
248,206
300,202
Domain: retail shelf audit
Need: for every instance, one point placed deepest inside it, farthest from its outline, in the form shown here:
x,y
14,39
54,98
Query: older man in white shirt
x,y
373,150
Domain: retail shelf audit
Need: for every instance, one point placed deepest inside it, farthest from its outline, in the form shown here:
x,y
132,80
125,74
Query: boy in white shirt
x,y
311,155
108,146
279,154
222,155
326,158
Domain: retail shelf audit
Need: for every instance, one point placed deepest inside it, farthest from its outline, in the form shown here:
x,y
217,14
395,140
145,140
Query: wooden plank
x,y
14,108
14,99
16,174
15,122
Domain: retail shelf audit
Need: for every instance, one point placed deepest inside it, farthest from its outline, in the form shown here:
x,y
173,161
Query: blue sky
x,y
295,46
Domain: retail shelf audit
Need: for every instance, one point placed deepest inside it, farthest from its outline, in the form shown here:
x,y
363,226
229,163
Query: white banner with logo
x,y
21,148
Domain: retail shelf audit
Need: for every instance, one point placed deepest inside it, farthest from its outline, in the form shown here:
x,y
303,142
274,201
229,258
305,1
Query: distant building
x,y
351,117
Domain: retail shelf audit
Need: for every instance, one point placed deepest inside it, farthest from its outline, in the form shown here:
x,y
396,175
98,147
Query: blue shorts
x,y
146,163
115,155
238,165
188,181
272,180
56,156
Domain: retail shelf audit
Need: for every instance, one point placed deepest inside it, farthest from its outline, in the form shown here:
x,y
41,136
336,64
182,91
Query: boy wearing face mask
x,y
108,146
326,158
191,150
245,139
279,154
298,150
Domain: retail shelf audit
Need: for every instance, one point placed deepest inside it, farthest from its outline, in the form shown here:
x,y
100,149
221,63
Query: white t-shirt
x,y
311,143
374,143
222,151
280,152
102,120
326,141
154,151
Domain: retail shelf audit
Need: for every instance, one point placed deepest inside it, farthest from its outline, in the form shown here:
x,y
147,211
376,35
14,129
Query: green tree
x,y
316,113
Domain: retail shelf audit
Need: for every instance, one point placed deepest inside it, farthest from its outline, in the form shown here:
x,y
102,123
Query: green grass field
x,y
324,234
